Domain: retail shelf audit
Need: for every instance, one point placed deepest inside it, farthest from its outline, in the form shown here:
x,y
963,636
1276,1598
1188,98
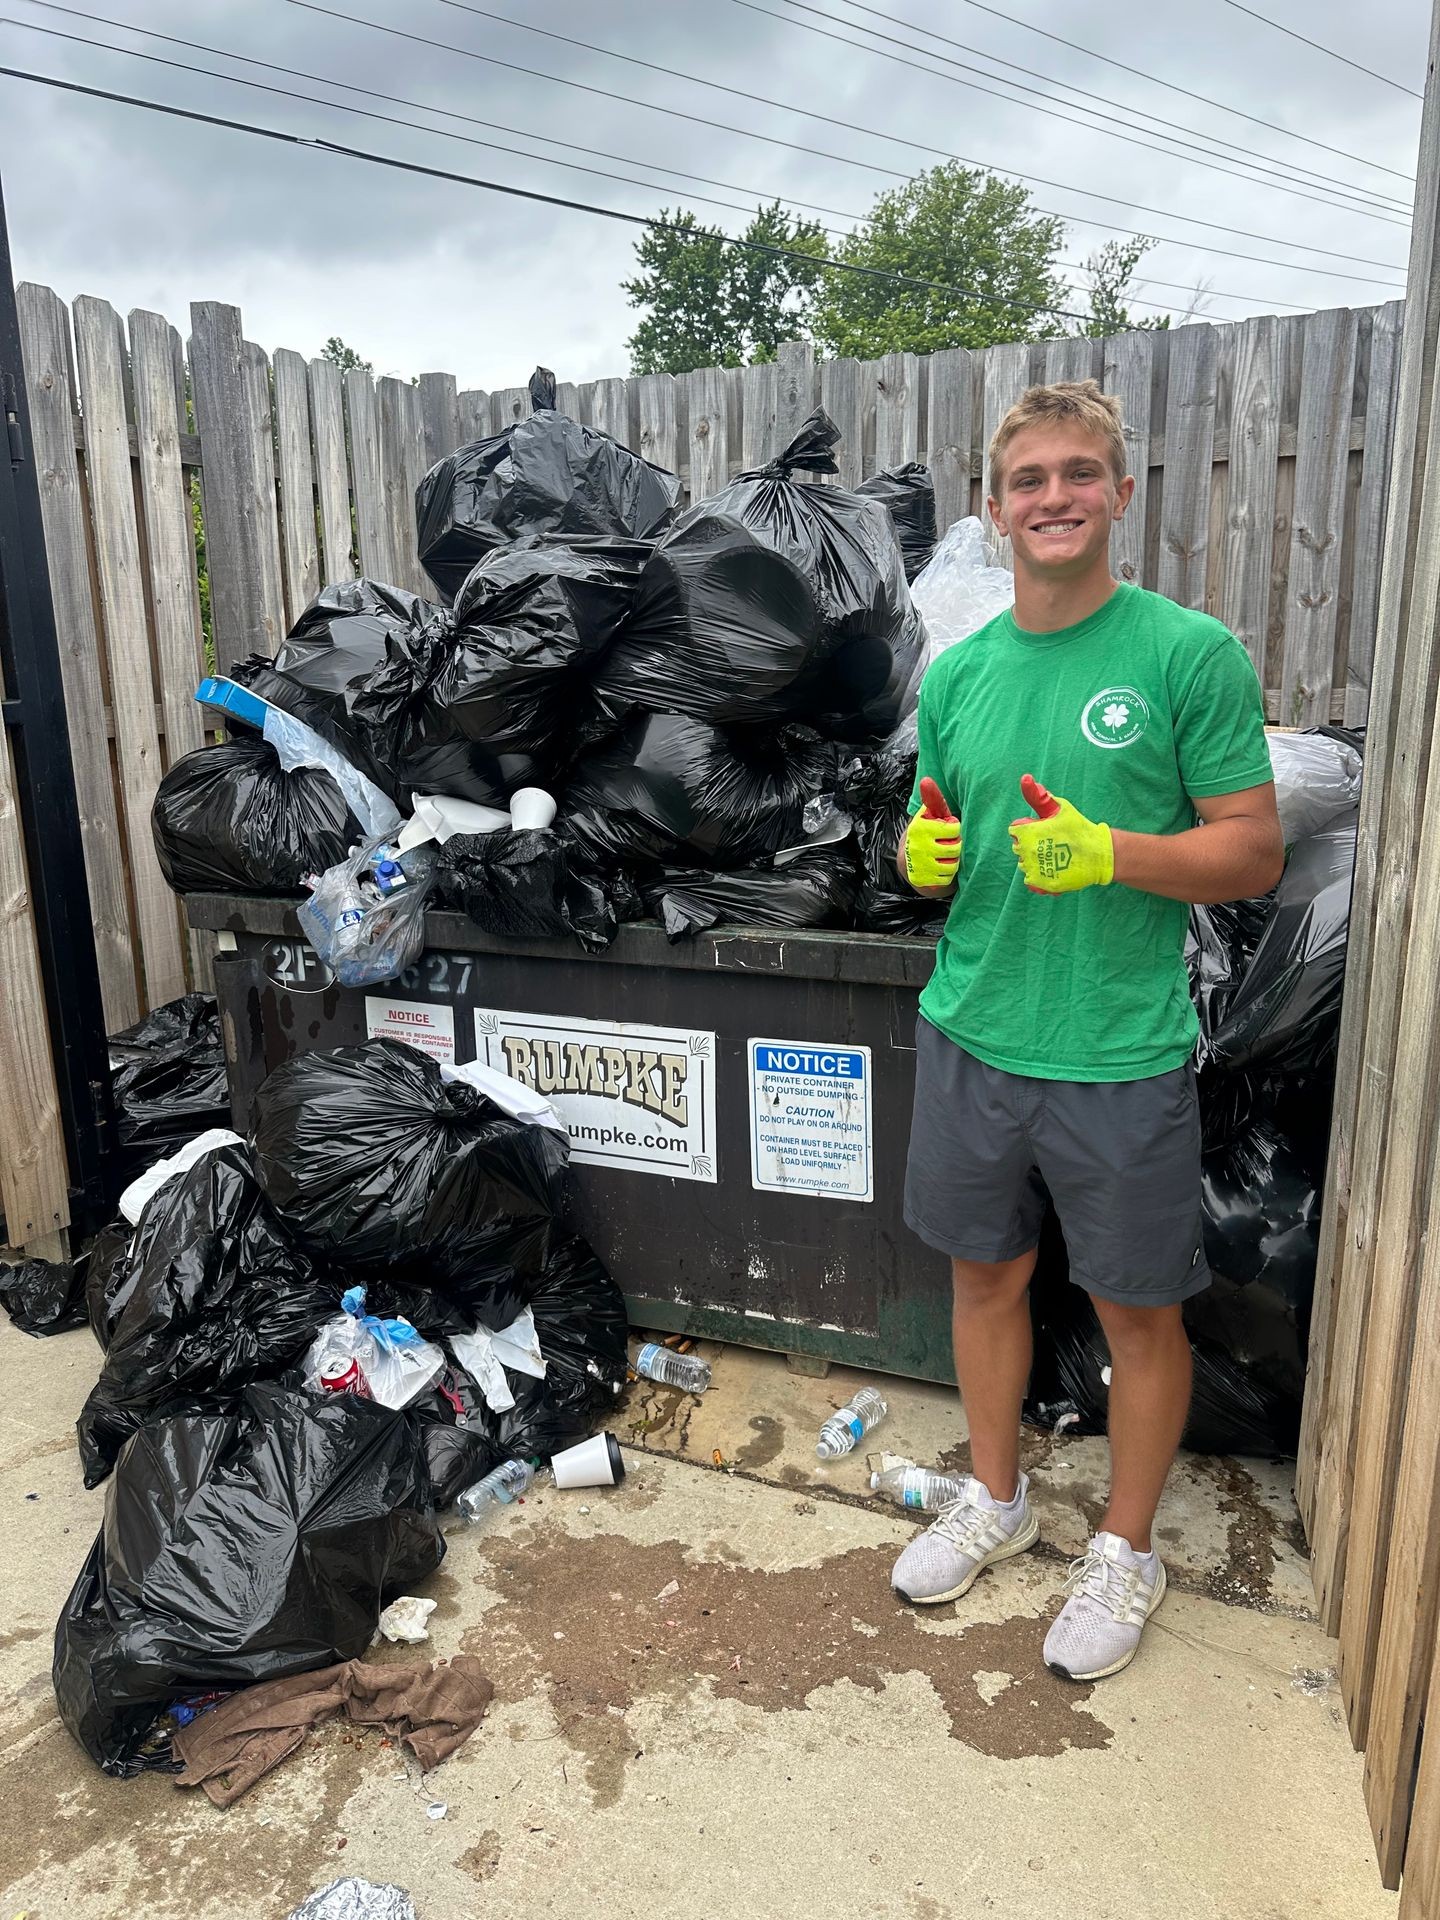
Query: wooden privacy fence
x,y
1369,1471
1260,453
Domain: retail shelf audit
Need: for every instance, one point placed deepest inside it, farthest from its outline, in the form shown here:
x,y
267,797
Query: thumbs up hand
x,y
932,841
1058,849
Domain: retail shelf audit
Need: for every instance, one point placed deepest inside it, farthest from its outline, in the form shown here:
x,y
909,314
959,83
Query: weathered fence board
x,y
1369,531
475,415
1127,371
1321,460
332,480
299,545
44,337
760,398
367,480
796,389
1247,540
100,371
950,432
897,409
659,418
1006,376
843,396
707,431
401,465
439,416
237,485
1189,449
509,404
34,1180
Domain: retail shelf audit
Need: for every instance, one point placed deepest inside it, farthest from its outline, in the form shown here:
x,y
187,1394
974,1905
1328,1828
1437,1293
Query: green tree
x,y
1111,270
957,227
707,304
346,358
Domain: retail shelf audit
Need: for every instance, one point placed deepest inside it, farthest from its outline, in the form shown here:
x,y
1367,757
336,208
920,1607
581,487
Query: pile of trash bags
x,y
1266,978
685,684
313,1341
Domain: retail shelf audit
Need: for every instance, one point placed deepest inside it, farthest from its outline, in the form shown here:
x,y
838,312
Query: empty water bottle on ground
x,y
500,1487
843,1429
918,1487
684,1370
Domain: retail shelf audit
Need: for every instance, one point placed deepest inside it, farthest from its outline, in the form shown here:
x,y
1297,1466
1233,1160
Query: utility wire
x,y
960,295
1343,58
446,133
1283,172
1121,66
869,166
630,59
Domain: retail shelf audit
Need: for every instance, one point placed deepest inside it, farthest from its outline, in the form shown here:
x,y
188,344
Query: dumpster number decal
x,y
810,1126
638,1098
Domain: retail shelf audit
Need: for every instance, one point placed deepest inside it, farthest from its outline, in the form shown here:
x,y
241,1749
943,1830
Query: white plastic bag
x,y
485,1355
959,591
146,1185
397,1365
512,1096
300,746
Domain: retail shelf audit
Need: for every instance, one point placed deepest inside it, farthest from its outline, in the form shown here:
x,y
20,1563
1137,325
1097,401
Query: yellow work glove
x,y
932,841
1061,851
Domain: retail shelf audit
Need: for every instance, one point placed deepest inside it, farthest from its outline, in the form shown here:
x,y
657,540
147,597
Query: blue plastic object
x,y
237,701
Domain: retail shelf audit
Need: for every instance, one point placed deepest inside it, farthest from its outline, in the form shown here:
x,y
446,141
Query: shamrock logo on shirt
x,y
1115,717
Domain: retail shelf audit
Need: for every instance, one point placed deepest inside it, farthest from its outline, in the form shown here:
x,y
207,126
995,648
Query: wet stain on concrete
x,y
769,1439
481,1860
44,1451
17,1636
1037,1444
1249,1570
769,1639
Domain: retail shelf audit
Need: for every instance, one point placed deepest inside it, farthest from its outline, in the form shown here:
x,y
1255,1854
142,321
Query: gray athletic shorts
x,y
1120,1159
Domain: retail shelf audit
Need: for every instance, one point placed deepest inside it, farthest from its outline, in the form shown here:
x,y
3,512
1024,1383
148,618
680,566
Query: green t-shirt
x,y
1129,715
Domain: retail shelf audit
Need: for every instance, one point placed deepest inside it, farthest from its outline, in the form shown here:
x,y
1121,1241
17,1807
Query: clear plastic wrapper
x,y
960,590
365,917
395,1363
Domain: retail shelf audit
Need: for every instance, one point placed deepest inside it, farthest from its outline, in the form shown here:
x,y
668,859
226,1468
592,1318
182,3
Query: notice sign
x,y
810,1119
420,1024
638,1098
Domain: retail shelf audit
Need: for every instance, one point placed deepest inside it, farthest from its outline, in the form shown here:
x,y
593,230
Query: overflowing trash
x,y
44,1296
167,1077
238,1547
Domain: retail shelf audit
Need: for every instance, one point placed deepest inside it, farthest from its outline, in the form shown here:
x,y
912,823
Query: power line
x,y
996,59
630,59
869,166
1343,58
341,106
1139,73
961,295
1364,196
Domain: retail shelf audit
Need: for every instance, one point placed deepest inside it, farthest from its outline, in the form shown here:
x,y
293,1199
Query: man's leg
x,y
1149,1399
991,1329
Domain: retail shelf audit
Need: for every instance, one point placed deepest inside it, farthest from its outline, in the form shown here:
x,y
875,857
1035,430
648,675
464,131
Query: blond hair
x,y
1081,402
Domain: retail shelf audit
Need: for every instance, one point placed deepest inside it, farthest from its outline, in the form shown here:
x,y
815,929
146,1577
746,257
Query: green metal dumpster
x,y
738,1105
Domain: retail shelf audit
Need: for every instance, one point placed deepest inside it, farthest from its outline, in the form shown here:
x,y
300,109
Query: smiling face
x,y
1058,500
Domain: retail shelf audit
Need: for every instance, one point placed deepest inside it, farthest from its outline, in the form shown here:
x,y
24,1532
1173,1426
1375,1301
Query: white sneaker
x,y
1113,1592
972,1533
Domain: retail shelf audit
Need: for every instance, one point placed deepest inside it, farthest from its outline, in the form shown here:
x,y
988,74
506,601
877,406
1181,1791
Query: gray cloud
x,y
418,274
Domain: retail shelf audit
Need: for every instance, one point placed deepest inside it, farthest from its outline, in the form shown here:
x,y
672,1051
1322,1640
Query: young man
x,y
1053,1052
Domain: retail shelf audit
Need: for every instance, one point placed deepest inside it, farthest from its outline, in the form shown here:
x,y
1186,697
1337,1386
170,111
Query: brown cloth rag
x,y
432,1709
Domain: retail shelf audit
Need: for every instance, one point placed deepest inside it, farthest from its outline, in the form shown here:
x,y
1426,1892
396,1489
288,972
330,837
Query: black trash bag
x,y
547,474
109,1279
1262,1197
370,1158
874,790
815,889
1219,946
529,886
774,600
328,667
167,1077
44,1296
581,1325
1285,1014
458,1451
907,494
239,1547
230,819
669,786
214,1296
532,624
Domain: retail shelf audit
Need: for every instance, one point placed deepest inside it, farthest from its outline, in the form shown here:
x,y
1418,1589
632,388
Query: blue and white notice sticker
x,y
810,1122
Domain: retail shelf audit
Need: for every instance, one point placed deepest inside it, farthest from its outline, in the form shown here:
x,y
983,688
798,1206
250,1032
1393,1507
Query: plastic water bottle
x,y
843,1429
500,1487
684,1370
917,1487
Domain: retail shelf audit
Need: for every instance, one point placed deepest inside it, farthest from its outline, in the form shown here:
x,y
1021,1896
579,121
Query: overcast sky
x,y
417,274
